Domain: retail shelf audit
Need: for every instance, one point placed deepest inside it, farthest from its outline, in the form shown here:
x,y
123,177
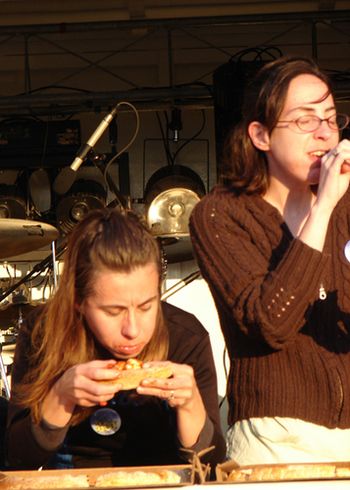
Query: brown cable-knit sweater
x,y
289,346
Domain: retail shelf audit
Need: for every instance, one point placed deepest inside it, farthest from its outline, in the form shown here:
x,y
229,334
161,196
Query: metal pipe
x,y
181,284
3,375
143,99
261,18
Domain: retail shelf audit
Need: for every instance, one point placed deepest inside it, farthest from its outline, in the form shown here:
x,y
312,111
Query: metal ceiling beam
x,y
199,97
312,16
67,103
152,98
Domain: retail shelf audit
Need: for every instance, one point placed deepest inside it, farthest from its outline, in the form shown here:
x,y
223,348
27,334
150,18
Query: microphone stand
x,y
3,374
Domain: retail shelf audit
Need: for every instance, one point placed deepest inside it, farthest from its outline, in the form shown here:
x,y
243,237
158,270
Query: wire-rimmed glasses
x,y
310,122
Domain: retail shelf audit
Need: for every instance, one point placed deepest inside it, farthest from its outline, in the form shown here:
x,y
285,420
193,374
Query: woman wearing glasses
x,y
273,242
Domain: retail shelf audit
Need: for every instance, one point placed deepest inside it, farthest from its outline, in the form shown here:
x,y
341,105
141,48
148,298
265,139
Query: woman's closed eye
x,y
116,311
113,311
146,306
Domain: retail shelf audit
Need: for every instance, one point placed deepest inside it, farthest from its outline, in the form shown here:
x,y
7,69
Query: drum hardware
x,y
18,236
21,295
176,249
7,349
3,375
54,265
37,269
19,298
13,314
8,337
181,284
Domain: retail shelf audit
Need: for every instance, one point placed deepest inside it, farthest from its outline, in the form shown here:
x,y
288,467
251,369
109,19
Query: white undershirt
x,y
271,440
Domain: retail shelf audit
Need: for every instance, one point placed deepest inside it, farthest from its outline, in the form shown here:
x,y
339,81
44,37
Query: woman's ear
x,y
259,135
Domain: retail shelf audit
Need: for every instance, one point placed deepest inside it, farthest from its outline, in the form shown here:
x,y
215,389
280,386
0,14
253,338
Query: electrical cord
x,y
117,155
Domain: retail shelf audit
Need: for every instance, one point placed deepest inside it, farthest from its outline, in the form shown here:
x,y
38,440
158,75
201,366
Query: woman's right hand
x,y
79,385
333,184
335,177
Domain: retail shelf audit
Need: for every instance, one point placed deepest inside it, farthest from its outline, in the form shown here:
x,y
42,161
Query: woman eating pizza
x,y
68,409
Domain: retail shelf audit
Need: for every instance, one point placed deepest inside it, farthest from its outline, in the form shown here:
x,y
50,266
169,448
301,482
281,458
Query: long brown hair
x,y
244,166
106,239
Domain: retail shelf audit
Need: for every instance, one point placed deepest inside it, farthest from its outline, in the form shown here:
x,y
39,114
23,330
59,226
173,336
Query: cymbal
x,y
18,236
10,315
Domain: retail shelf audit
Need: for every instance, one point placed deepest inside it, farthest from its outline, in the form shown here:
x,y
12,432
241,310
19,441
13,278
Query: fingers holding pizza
x,y
179,389
96,382
167,380
132,373
163,379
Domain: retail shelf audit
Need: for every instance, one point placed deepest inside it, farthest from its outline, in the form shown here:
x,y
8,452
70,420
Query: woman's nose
x,y
129,327
323,131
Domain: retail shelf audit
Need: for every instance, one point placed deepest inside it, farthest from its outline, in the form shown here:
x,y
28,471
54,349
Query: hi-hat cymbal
x,y
18,236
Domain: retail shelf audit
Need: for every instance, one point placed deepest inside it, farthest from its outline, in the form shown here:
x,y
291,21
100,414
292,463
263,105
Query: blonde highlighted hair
x,y
106,239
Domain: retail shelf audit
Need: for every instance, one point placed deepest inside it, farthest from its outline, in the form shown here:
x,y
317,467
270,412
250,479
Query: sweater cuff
x,y
48,436
205,437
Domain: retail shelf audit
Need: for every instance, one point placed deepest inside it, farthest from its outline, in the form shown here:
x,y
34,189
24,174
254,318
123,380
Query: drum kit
x,y
18,236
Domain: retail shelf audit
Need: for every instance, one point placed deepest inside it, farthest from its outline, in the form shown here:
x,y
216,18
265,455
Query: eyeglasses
x,y
310,123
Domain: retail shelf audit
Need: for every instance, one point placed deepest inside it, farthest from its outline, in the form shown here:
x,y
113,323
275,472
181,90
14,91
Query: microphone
x,y
66,177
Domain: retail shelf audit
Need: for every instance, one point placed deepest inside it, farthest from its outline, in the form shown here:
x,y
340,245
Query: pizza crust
x,y
52,481
134,478
312,471
131,373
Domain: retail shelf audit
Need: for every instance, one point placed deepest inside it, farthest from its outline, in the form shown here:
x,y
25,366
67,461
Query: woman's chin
x,y
314,176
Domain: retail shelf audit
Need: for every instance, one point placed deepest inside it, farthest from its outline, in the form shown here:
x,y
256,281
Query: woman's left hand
x,y
179,390
182,394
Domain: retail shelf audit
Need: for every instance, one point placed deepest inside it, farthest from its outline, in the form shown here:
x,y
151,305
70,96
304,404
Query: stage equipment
x,y
18,236
175,124
11,319
170,195
37,269
84,195
68,175
12,203
180,284
40,190
10,311
12,315
24,141
230,81
3,376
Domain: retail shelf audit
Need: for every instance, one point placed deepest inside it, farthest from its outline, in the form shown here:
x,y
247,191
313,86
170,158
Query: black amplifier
x,y
31,143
